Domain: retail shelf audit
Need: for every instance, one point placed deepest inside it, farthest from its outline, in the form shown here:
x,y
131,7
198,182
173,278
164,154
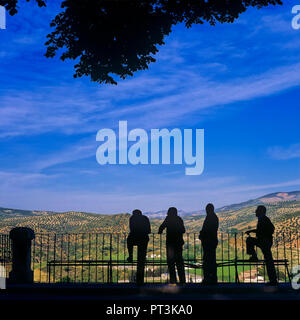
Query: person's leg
x,y
205,262
250,247
180,264
171,262
209,262
140,272
213,263
266,250
130,244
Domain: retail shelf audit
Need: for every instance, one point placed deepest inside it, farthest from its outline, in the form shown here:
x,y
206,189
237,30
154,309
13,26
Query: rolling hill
x,y
283,209
67,222
266,199
5,212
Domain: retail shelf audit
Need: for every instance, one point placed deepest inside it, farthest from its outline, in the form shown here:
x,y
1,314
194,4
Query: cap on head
x,y
172,212
260,211
210,208
137,212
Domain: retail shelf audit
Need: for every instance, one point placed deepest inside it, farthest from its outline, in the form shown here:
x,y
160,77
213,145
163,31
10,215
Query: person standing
x,y
209,239
139,226
264,240
174,242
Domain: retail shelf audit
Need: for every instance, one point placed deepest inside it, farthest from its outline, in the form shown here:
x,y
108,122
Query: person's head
x,y
172,212
210,208
137,212
260,211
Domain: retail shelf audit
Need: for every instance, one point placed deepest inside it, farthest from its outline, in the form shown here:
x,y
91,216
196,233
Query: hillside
x,y
266,199
68,222
6,212
282,207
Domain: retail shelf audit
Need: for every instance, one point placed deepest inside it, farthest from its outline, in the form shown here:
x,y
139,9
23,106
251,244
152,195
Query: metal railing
x,y
102,258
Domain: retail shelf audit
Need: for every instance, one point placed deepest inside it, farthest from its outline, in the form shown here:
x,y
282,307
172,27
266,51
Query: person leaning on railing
x,y
174,242
264,240
139,226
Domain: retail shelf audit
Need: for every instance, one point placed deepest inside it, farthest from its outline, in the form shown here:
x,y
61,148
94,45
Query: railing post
x,y
110,259
235,260
21,255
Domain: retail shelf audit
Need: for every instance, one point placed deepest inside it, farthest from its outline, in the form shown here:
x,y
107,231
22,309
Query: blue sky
x,y
238,82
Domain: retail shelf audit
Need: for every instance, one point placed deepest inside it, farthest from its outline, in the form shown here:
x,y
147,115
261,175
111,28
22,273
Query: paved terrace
x,y
121,292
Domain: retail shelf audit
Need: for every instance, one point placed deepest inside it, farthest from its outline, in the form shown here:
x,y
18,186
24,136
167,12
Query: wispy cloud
x,y
281,153
20,179
81,150
163,102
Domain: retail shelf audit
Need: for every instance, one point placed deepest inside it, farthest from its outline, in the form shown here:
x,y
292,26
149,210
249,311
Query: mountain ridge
x,y
282,208
265,199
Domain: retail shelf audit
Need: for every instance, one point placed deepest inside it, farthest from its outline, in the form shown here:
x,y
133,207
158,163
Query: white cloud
x,y
281,153
22,179
158,101
81,150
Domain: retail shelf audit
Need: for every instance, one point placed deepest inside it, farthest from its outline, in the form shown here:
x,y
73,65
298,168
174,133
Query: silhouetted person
x,y
139,226
264,240
174,243
209,239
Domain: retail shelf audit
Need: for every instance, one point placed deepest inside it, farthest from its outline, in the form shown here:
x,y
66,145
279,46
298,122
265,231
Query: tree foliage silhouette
x,y
115,38
12,5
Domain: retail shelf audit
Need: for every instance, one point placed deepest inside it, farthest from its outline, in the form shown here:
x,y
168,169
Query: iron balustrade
x,y
102,258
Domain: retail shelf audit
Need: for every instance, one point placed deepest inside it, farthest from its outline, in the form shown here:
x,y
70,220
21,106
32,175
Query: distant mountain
x,y
281,196
266,199
282,207
163,213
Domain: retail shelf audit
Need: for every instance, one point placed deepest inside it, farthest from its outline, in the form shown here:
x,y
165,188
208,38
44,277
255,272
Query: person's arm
x,y
251,231
203,231
130,224
162,226
209,228
148,226
182,226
